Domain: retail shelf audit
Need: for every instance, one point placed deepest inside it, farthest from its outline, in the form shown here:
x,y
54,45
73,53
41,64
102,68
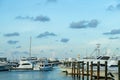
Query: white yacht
x,y
24,64
43,65
27,63
4,66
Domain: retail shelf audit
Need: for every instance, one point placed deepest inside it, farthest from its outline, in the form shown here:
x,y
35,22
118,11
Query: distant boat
x,y
4,66
43,65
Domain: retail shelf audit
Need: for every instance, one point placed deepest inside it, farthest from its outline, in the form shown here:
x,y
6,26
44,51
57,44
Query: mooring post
x,y
119,70
98,70
87,70
77,69
106,70
82,70
72,68
91,72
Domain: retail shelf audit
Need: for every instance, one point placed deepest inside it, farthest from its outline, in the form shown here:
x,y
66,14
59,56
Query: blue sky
x,y
59,28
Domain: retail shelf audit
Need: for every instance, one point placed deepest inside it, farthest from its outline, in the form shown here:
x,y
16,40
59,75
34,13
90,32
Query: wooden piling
x,y
106,70
98,70
82,70
91,72
87,70
72,68
119,70
78,69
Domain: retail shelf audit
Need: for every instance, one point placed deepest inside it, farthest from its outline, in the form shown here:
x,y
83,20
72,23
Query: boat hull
x,y
4,68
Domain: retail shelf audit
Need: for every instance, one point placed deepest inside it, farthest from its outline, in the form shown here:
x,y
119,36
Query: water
x,y
56,74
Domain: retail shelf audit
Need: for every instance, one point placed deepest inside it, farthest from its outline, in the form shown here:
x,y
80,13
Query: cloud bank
x,y
46,34
64,40
113,7
12,34
40,18
12,42
113,38
113,32
84,24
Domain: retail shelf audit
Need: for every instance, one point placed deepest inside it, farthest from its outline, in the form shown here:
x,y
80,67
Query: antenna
x,y
30,46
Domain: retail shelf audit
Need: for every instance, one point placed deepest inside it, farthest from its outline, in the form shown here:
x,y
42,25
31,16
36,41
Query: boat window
x,y
105,58
26,64
46,65
114,66
99,57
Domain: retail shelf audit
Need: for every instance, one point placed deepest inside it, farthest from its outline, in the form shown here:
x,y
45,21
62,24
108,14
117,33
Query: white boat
x,y
4,66
24,64
43,65
27,63
64,67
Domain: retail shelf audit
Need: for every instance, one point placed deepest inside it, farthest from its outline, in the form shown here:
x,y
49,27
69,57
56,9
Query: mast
x,y
30,47
98,49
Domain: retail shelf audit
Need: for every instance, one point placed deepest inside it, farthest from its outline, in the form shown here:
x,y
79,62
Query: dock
x,y
91,71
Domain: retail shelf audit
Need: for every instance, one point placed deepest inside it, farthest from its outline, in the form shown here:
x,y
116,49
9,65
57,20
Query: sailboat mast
x,y
30,47
98,49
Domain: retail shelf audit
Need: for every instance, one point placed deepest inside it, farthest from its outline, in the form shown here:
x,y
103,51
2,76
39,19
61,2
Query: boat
x,y
24,64
4,66
27,63
43,65
64,67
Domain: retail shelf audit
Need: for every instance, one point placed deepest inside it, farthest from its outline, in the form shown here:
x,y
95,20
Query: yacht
x,y
43,65
24,64
4,66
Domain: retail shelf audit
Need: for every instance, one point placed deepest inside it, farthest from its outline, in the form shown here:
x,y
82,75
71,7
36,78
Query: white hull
x,y
24,65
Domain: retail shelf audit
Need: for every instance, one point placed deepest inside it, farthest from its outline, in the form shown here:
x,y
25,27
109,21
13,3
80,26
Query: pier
x,y
91,71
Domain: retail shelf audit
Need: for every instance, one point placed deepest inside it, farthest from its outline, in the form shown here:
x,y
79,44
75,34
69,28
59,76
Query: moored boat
x,y
24,64
4,66
43,65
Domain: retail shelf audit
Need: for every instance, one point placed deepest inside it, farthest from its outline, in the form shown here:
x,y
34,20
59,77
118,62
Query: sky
x,y
58,28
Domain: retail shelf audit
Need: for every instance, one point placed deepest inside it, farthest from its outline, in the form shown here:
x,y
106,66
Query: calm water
x,y
56,74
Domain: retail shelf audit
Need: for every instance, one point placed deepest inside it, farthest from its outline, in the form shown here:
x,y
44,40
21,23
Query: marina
x,y
100,67
59,39
72,68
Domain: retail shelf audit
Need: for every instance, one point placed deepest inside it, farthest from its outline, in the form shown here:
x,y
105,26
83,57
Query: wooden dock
x,y
91,71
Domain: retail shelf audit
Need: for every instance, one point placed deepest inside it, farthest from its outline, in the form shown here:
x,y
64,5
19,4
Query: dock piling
x,y
87,70
119,70
106,70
